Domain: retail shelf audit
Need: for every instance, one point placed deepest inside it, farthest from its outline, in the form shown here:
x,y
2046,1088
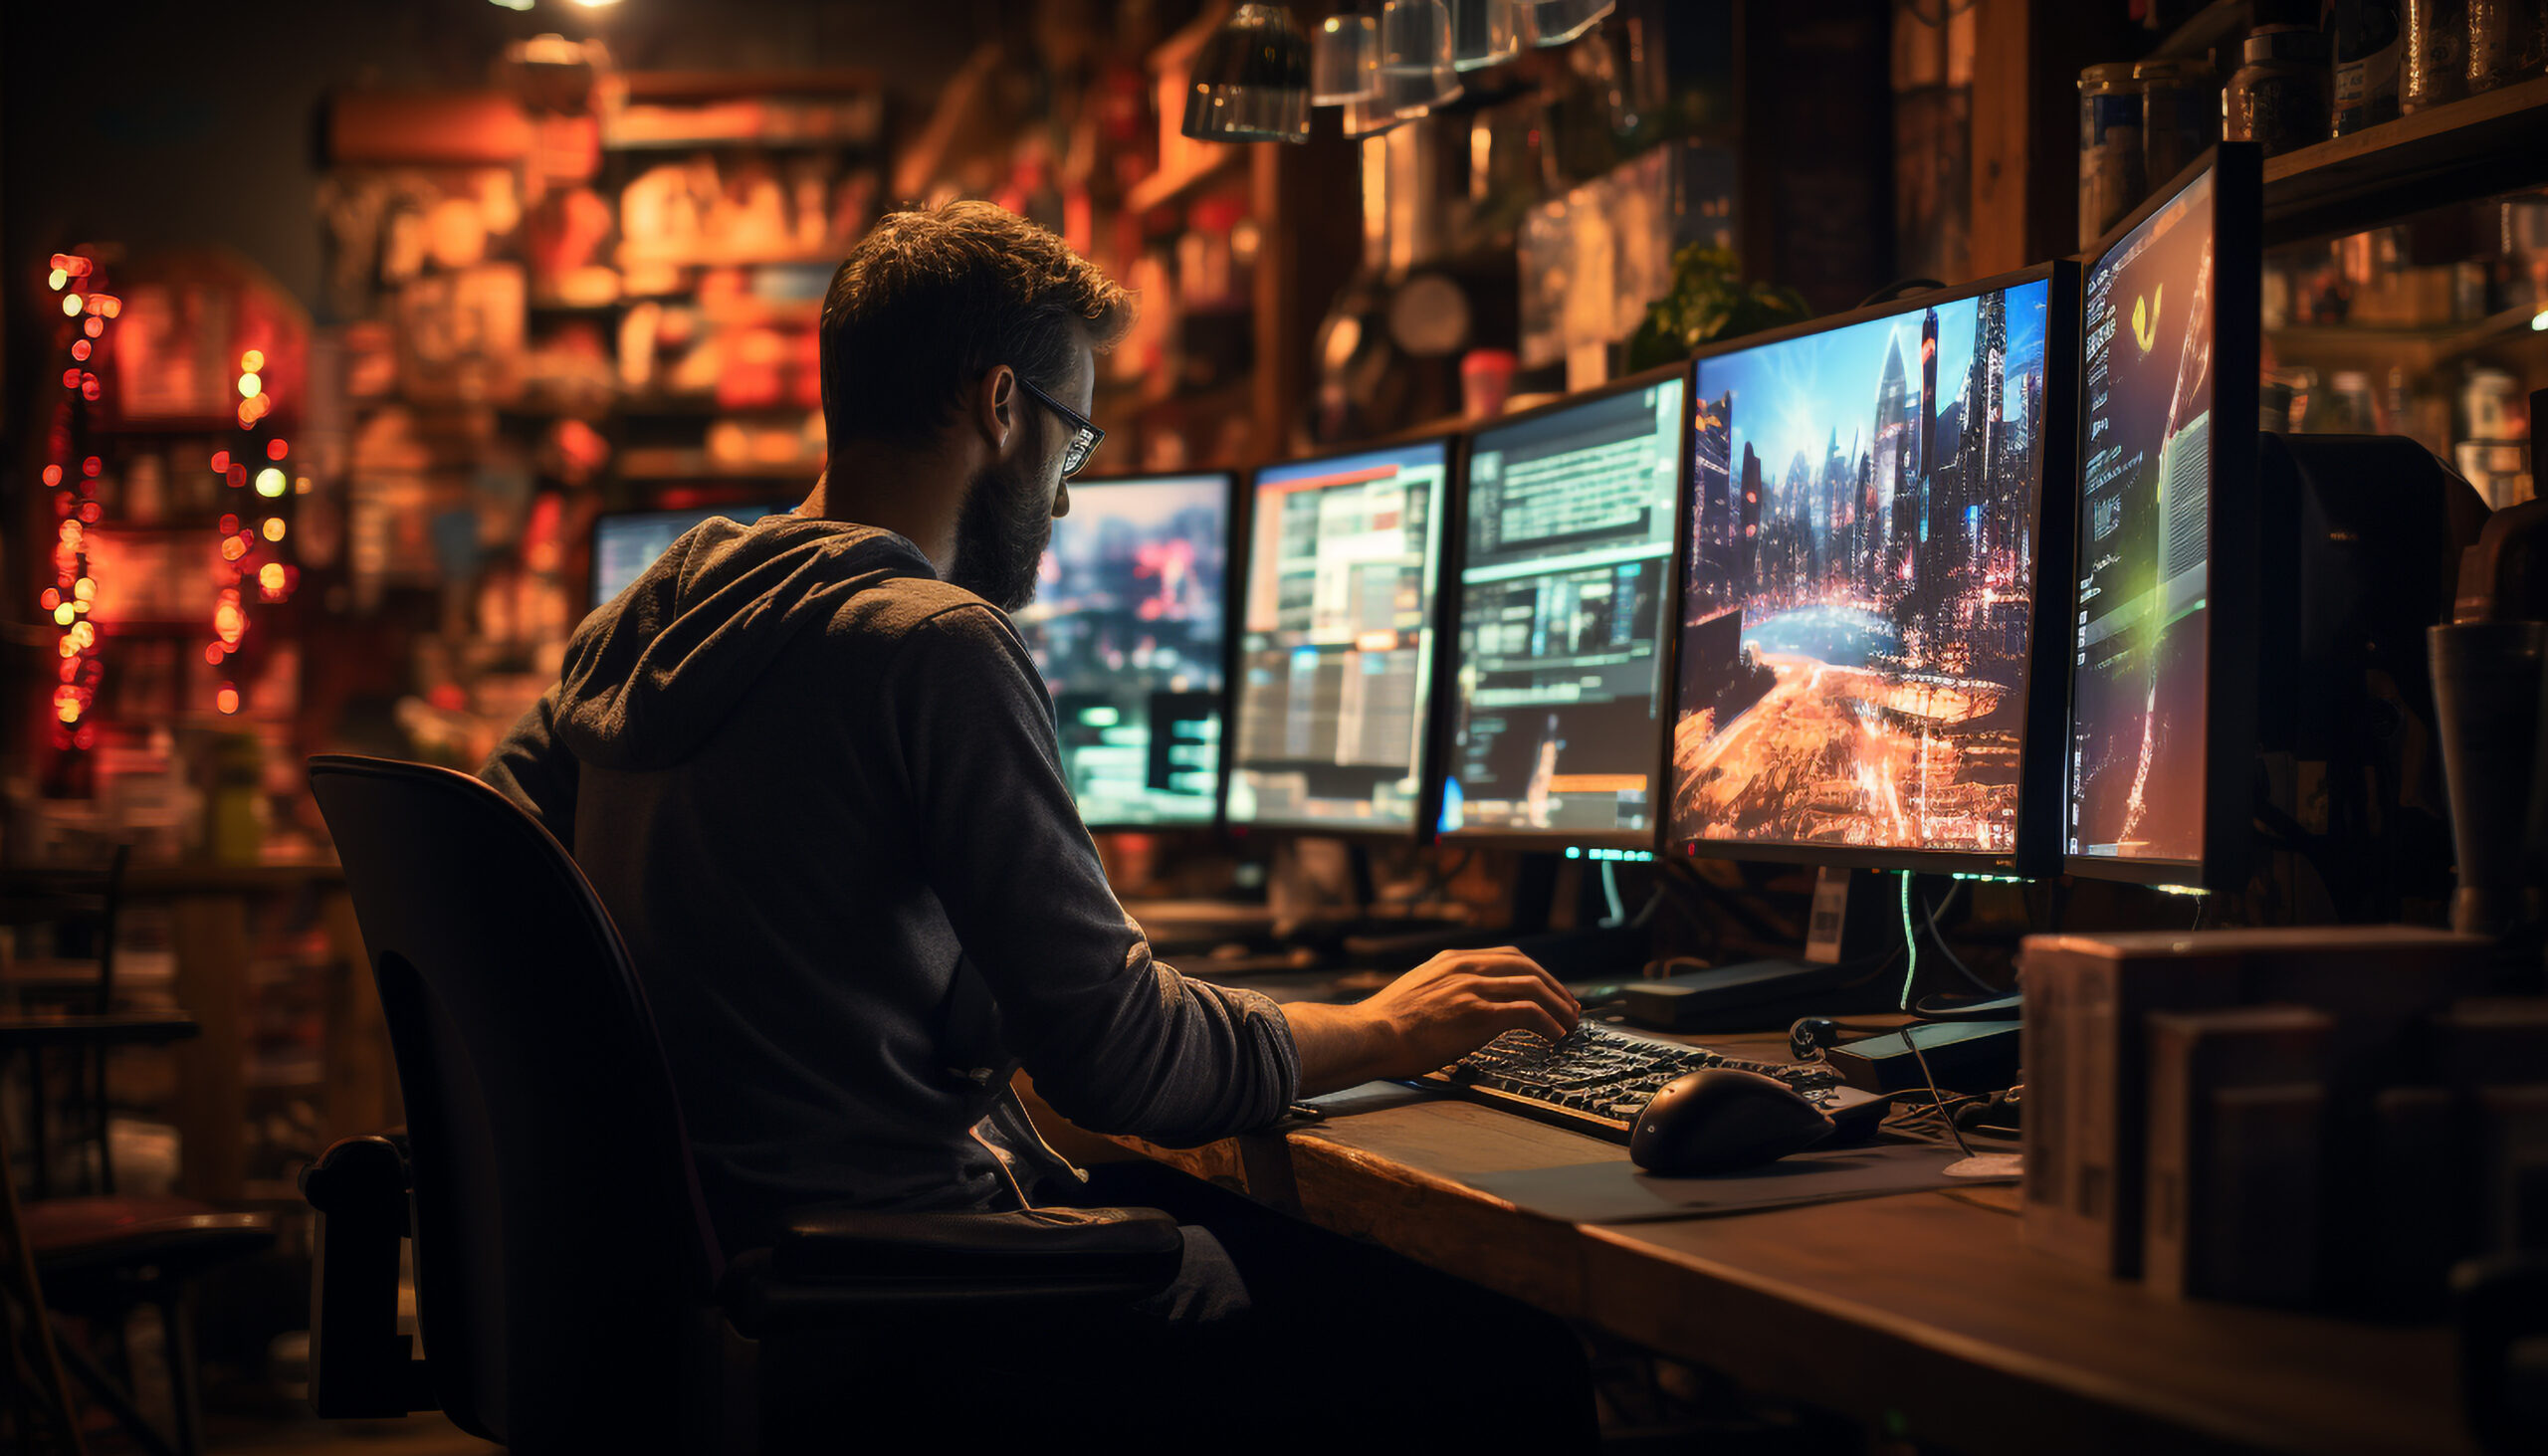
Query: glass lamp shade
x,y
1251,80
1557,22
1416,72
1369,117
1342,57
1485,32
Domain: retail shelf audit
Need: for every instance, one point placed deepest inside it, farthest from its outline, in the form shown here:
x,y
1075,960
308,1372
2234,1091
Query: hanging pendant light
x,y
1345,58
1416,71
1369,117
1251,81
1560,21
1485,32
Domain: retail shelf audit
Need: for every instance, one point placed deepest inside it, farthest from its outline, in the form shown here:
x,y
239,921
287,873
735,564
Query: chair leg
x,y
114,1400
185,1384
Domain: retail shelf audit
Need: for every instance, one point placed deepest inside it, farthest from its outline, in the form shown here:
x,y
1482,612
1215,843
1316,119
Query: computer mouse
x,y
1718,1119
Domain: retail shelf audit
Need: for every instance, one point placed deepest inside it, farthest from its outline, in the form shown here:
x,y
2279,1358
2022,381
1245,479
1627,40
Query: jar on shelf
x,y
2112,178
2436,54
2179,115
2506,41
2370,50
2283,97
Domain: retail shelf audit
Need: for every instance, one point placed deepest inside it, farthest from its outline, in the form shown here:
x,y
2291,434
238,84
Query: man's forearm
x,y
1339,1046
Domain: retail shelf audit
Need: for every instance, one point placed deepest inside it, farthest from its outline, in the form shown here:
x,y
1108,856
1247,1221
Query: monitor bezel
x,y
592,533
1428,808
2042,717
2230,641
1446,666
1231,500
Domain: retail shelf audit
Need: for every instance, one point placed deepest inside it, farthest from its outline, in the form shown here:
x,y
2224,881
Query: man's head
x,y
928,327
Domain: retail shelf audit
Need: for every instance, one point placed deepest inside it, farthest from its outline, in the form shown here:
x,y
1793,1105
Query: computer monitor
x,y
1125,627
2163,738
1558,693
627,542
1332,705
1869,670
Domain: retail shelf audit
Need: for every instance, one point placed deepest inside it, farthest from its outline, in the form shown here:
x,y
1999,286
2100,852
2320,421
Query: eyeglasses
x,y
1085,437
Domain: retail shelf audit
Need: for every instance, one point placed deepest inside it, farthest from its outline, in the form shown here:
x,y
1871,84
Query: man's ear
x,y
998,407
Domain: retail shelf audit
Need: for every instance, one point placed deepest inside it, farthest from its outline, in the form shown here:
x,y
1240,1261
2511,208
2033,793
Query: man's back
x,y
817,789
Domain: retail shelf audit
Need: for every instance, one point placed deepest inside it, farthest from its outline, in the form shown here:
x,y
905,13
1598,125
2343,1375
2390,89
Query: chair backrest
x,y
560,1236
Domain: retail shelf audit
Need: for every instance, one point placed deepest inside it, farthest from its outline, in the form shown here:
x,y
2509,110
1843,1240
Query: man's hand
x,y
1428,1018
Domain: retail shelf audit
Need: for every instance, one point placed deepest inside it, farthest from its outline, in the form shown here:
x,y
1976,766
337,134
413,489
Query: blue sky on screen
x,y
1790,396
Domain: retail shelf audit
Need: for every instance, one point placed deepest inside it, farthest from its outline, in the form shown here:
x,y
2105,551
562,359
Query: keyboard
x,y
1597,1079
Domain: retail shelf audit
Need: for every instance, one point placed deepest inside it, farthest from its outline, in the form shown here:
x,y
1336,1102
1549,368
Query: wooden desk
x,y
1920,1308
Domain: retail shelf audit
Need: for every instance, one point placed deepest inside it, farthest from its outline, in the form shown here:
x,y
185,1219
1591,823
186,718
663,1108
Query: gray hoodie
x,y
817,789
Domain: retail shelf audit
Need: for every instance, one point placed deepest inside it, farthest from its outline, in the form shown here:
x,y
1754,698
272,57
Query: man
x,y
811,770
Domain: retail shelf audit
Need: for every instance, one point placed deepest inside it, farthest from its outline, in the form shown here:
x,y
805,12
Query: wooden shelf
x,y
2417,351
2465,150
1159,190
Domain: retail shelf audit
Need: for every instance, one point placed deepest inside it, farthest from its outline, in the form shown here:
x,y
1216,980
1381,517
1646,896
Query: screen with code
x,y
1560,687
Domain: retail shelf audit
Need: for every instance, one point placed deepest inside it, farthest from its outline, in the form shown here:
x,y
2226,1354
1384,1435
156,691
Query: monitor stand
x,y
1349,931
1611,953
1755,995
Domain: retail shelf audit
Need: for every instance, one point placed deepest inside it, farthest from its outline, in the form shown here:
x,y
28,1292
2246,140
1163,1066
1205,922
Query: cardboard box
x,y
2086,1200
2228,1211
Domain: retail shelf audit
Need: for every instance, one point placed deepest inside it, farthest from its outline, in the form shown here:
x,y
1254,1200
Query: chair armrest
x,y
360,1364
832,1265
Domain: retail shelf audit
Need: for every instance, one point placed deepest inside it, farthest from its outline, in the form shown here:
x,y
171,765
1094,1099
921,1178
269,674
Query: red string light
x,y
73,593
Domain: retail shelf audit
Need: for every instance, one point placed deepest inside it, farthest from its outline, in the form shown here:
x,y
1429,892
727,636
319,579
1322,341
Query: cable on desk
x,y
1911,974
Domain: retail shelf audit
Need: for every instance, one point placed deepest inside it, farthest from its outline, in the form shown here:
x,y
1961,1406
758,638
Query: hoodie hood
x,y
650,677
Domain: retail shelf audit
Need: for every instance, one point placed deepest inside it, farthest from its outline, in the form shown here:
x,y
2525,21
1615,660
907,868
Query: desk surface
x,y
1919,1306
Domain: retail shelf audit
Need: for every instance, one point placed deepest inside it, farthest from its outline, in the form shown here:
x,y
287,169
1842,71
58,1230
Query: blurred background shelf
x,y
2462,151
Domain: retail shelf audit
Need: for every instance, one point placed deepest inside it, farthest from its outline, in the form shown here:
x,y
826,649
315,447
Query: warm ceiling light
x,y
1485,32
1560,21
1415,56
1251,81
1341,55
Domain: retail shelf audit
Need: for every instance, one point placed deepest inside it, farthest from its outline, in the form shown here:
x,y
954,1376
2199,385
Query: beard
x,y
1000,537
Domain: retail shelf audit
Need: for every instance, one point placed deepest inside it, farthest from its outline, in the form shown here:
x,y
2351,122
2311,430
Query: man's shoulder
x,y
894,613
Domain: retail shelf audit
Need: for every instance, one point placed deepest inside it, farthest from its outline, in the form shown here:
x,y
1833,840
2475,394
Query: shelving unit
x,y
2496,142
2510,334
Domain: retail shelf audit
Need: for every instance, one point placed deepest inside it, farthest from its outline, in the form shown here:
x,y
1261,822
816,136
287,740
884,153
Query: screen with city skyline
x,y
1126,628
1861,582
2138,737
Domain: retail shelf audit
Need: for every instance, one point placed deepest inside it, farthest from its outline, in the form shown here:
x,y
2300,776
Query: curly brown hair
x,y
930,301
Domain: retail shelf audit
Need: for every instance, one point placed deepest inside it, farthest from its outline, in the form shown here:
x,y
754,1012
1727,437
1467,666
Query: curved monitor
x,y
1868,542
1559,689
2163,687
1331,706
1127,629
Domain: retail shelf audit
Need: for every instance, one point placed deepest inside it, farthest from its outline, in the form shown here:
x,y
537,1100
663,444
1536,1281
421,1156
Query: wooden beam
x,y
2003,136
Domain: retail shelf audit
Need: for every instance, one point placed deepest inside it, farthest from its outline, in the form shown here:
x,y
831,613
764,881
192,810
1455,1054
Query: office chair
x,y
570,1292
